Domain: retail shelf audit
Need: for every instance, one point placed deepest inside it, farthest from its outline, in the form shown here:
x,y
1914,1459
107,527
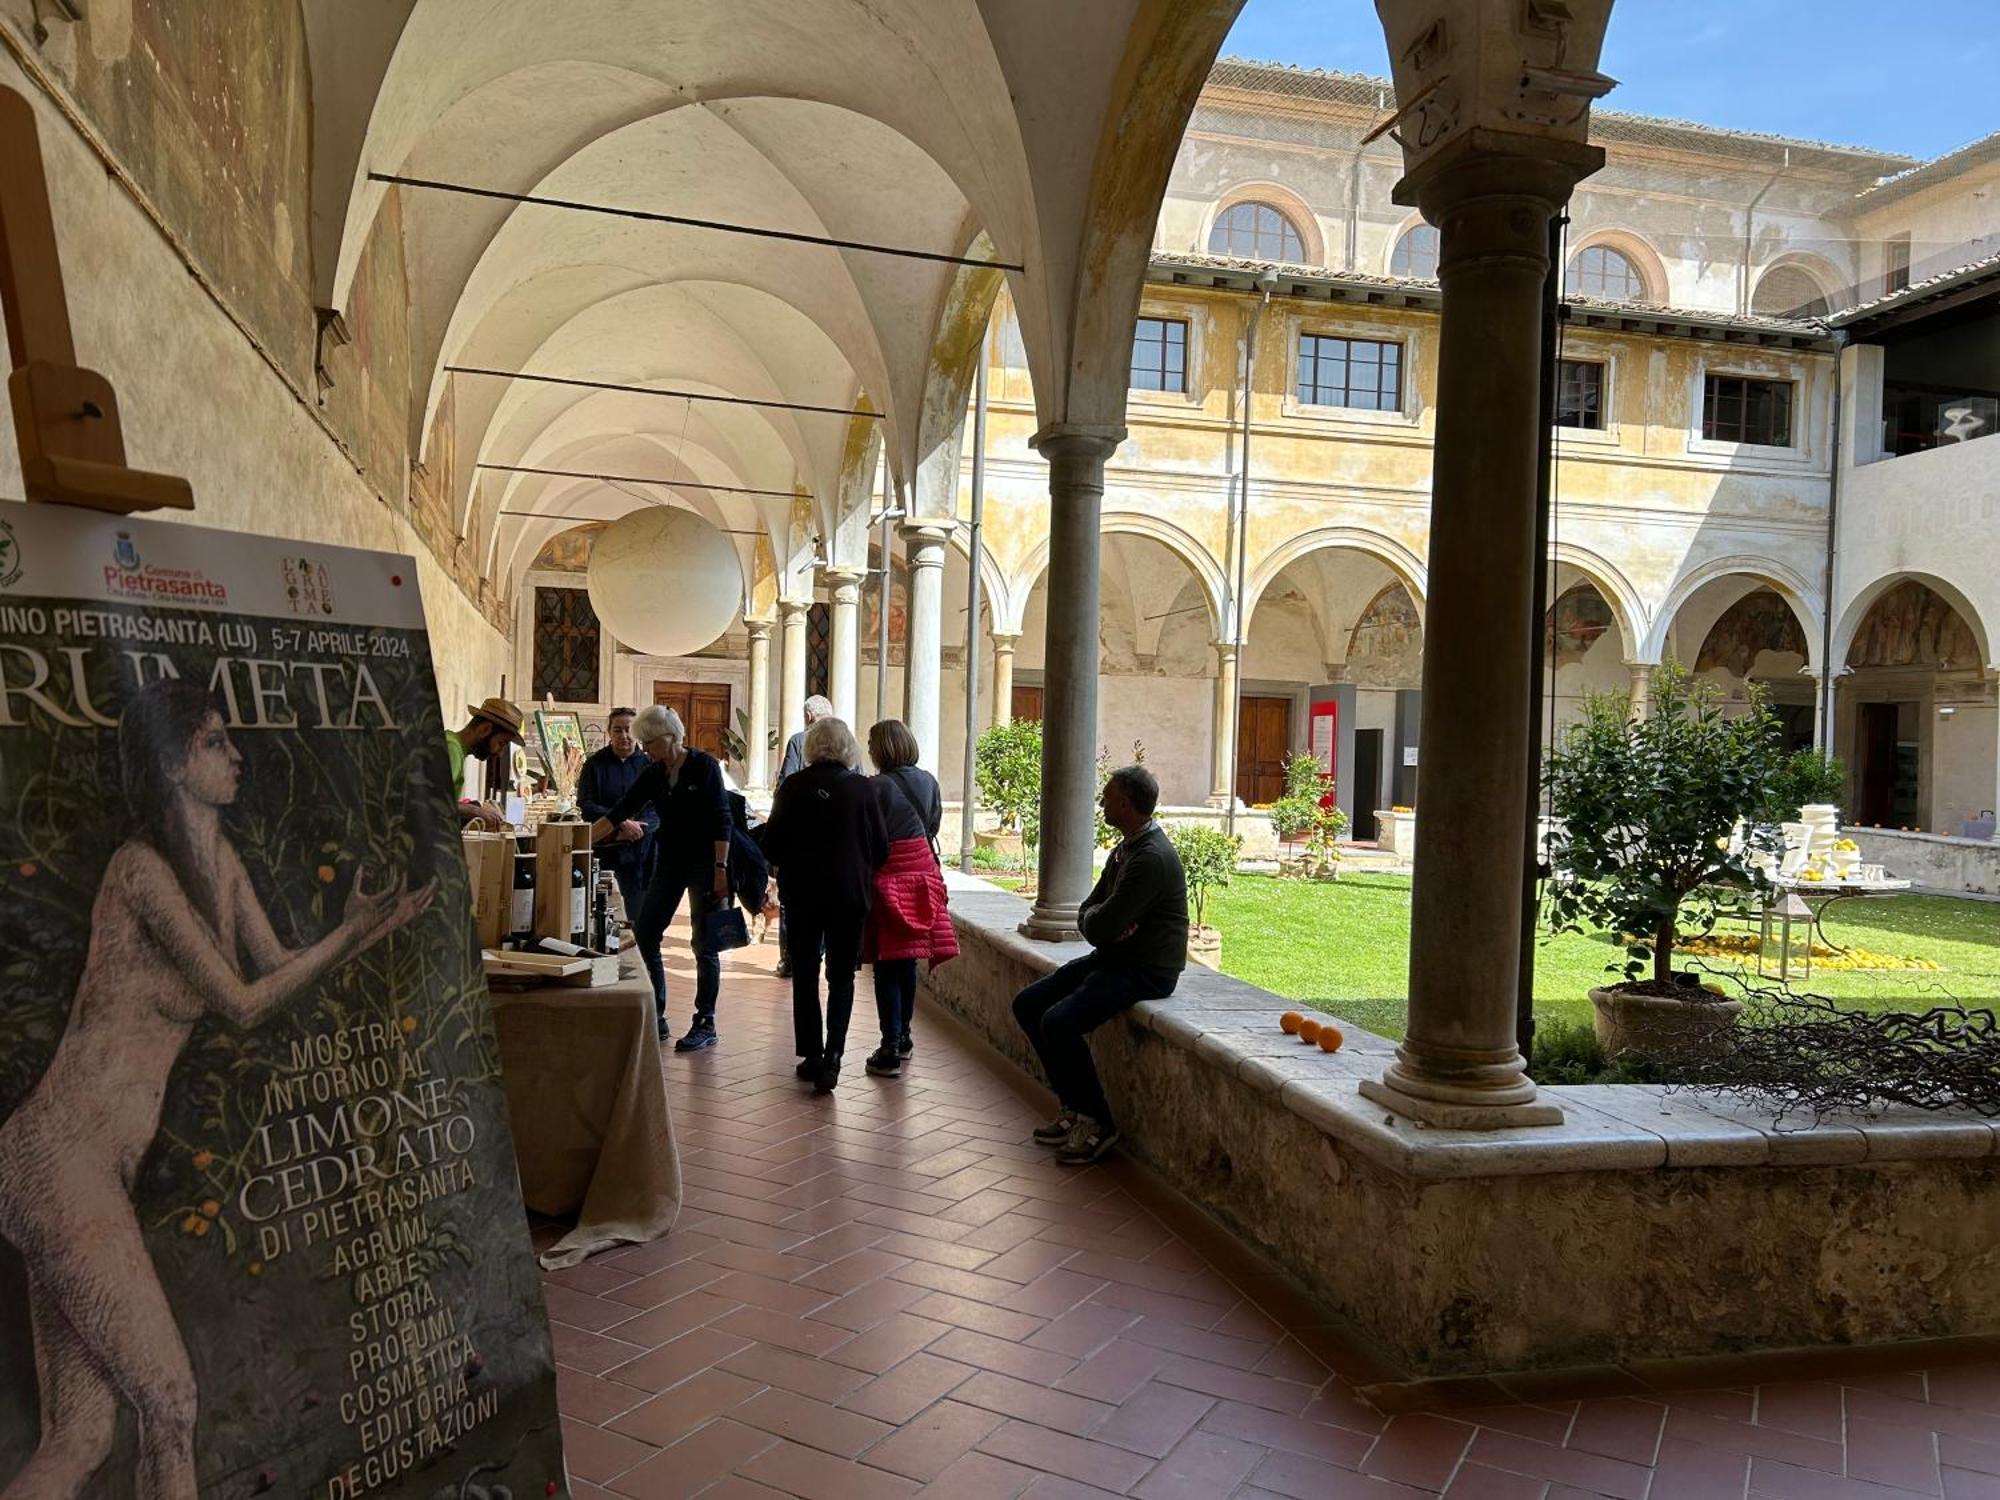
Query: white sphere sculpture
x,y
664,582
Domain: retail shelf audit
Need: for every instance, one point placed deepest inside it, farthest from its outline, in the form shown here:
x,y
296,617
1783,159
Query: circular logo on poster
x,y
10,556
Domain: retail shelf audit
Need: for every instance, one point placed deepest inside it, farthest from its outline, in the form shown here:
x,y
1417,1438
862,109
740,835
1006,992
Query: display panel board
x,y
260,1227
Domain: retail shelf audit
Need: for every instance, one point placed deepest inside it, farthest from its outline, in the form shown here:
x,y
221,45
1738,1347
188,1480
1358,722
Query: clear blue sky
x,y
1919,79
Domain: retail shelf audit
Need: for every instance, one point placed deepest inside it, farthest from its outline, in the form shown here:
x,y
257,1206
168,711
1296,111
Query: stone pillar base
x,y
1055,923
1448,1115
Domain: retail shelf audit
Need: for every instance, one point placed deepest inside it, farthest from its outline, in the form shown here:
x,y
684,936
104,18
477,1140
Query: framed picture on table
x,y
555,730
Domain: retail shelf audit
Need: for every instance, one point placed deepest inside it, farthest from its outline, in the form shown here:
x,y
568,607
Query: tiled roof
x,y
1607,125
1416,291
1918,291
1938,169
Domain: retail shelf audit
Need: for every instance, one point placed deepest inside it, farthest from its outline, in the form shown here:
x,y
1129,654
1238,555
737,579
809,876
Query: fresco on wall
x,y
1580,617
569,551
899,609
1758,622
1912,626
1386,648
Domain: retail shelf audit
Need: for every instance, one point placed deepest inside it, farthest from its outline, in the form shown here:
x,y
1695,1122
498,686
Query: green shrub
x,y
1297,815
1208,859
1804,777
1569,1052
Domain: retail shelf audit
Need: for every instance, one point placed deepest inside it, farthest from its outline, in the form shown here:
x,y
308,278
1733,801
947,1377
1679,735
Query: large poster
x,y
260,1230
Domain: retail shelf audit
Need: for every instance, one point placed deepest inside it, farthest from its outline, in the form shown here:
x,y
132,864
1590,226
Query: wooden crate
x,y
489,862
559,847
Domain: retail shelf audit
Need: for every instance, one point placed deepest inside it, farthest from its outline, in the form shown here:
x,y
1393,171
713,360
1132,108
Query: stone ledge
x,y
1651,1224
1628,1127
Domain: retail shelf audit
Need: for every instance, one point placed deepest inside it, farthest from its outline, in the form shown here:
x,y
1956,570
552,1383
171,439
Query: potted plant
x,y
1208,859
1643,810
1307,816
1008,771
736,742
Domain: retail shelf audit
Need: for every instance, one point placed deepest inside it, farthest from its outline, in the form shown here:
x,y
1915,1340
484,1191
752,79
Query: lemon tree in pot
x,y
1208,859
1643,810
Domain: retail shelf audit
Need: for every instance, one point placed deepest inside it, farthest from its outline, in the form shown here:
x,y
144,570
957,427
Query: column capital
x,y
1004,640
758,630
928,532
1226,650
793,609
1486,164
1076,440
844,584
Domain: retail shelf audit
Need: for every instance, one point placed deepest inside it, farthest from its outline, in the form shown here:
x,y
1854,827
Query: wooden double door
x,y
703,707
1263,740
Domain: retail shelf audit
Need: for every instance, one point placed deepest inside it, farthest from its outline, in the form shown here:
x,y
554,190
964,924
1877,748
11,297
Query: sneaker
x,y
904,1046
1087,1142
700,1034
666,1031
784,969
807,1070
1058,1130
828,1074
884,1063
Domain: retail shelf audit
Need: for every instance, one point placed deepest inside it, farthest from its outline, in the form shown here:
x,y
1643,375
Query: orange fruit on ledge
x,y
1290,1022
1309,1031
1330,1038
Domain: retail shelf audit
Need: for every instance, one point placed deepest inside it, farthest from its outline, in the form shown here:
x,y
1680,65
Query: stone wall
x,y
1647,1226
1941,865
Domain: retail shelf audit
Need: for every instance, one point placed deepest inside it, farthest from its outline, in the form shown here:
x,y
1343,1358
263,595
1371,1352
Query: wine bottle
x,y
523,933
579,898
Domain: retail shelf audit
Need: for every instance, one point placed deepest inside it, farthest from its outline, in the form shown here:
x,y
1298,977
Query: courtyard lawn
x,y
1344,946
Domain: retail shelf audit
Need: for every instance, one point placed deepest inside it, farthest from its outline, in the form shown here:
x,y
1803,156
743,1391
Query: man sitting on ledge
x,y
1137,921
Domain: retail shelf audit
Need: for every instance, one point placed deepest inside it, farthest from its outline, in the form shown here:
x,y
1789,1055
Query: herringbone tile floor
x,y
894,1292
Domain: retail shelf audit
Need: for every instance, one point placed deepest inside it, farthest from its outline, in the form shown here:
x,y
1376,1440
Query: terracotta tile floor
x,y
894,1292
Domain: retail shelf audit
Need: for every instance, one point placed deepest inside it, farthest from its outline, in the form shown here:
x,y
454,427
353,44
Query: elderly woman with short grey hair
x,y
691,858
826,839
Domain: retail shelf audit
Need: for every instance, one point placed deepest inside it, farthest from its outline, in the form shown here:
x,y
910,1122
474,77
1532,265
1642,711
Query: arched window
x,y
1257,231
1601,271
1788,292
1416,253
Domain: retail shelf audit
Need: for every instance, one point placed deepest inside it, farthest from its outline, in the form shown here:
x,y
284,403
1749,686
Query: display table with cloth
x,y
589,1106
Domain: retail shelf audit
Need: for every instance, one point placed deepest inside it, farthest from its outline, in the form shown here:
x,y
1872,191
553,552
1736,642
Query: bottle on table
x,y
579,900
521,932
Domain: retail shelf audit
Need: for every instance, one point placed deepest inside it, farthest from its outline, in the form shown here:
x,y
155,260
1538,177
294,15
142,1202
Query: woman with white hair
x,y
690,858
826,837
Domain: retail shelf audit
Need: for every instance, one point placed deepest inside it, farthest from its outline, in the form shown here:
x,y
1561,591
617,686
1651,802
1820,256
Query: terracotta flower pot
x,y
1661,1025
1205,946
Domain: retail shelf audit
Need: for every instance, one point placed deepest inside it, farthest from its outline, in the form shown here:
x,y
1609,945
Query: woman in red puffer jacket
x,y
908,919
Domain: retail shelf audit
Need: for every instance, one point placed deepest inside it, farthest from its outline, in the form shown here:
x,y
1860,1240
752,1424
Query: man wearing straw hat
x,y
494,725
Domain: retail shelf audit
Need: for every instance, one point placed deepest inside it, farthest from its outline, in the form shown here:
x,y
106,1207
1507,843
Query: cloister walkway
x,y
894,1292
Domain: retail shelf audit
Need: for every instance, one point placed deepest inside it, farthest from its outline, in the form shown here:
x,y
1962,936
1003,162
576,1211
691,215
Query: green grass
x,y
1344,947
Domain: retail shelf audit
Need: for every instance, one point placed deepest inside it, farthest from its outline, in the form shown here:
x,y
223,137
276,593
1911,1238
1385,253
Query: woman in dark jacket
x,y
908,920
825,836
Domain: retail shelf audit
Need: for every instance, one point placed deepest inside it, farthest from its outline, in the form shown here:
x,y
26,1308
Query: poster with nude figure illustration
x,y
260,1227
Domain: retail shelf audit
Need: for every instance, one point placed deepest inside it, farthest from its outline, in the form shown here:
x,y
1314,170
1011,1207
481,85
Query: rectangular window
x,y
566,641
1363,374
1737,409
1896,264
1580,394
1159,355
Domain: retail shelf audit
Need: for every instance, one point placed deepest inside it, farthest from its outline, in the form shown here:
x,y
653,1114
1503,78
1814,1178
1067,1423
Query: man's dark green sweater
x,y
1136,915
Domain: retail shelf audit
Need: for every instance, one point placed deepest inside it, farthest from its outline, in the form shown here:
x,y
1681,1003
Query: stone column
x,y
1076,458
843,673
1003,678
1642,686
791,667
923,640
1458,1065
757,734
1222,785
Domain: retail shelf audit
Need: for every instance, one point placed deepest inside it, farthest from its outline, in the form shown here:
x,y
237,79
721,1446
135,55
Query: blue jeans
x,y
649,929
1059,1013
895,997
